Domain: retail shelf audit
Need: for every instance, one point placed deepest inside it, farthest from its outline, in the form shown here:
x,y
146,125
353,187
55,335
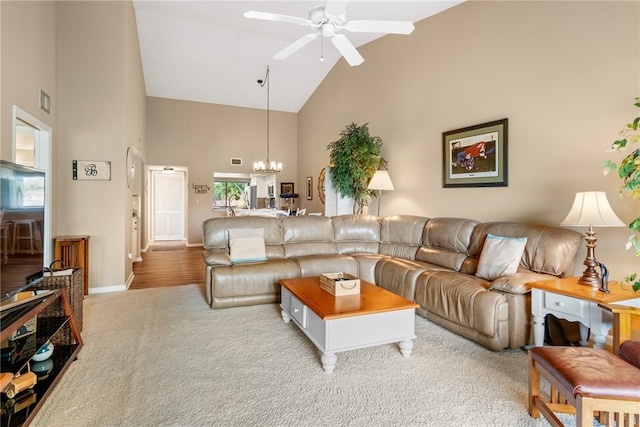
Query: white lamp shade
x,y
591,208
380,181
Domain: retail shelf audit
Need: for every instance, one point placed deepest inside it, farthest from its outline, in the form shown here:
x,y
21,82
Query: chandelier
x,y
268,166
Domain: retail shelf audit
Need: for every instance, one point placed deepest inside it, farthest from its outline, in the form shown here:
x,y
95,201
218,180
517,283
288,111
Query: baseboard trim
x,y
106,289
129,280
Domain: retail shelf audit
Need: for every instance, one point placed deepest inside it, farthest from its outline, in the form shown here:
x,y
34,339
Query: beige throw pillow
x,y
500,256
247,245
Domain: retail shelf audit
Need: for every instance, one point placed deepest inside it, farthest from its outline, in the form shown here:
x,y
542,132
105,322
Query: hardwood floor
x,y
169,264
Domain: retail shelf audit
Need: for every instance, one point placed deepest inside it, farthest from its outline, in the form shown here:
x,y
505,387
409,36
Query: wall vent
x,y
236,161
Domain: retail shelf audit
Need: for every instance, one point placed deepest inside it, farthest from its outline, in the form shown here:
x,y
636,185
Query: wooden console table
x,y
74,252
566,299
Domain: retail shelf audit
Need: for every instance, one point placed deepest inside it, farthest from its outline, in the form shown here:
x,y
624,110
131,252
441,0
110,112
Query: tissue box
x,y
340,284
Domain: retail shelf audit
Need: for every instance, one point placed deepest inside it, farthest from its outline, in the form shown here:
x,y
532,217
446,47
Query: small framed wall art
x,y
476,156
286,188
309,188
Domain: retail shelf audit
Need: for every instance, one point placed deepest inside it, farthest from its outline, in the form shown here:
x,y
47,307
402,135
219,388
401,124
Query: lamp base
x,y
590,276
590,279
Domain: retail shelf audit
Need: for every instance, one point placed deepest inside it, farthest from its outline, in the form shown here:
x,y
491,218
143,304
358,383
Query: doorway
x,y
168,205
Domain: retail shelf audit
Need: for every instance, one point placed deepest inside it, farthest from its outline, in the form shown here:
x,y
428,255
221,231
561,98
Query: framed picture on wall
x,y
476,156
286,188
309,188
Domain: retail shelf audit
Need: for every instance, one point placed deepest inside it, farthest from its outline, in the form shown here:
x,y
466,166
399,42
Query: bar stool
x,y
20,226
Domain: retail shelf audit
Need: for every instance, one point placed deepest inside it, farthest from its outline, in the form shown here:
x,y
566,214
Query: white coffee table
x,y
336,324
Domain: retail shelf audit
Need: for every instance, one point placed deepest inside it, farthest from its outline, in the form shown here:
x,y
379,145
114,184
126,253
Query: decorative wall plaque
x,y
91,170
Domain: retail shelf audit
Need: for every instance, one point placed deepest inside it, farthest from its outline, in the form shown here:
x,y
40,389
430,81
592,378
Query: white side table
x,y
566,299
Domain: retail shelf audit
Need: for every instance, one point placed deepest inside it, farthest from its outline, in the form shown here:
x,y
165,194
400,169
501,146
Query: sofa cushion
x,y
216,235
398,276
550,250
216,257
308,235
356,234
316,265
246,245
460,298
500,256
517,283
249,283
445,242
401,235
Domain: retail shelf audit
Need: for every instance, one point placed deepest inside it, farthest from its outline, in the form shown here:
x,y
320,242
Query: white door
x,y
168,205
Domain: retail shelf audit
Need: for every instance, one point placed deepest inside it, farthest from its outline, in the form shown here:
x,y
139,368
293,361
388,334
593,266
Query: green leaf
x,y
608,165
629,172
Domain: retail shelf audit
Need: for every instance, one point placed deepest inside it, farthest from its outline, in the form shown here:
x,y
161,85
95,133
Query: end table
x,y
566,299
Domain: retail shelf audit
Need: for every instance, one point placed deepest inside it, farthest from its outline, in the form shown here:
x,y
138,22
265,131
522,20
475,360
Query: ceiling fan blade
x,y
335,7
303,41
276,17
388,27
347,50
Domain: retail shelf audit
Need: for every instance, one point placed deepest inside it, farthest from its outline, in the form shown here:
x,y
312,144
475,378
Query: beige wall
x,y
101,115
85,55
565,74
28,58
134,127
204,138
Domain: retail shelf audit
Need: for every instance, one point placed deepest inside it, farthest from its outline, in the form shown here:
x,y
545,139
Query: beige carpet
x,y
162,357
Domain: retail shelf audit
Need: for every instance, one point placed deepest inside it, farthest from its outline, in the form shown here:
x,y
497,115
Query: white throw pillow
x,y
500,256
247,244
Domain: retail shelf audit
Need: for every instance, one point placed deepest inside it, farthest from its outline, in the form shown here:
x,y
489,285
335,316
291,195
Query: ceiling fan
x,y
327,20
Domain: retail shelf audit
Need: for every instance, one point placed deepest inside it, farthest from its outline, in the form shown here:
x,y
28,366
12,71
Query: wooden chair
x,y
591,382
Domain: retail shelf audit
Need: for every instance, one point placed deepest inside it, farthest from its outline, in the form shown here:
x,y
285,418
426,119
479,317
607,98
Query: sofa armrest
x,y
516,283
216,258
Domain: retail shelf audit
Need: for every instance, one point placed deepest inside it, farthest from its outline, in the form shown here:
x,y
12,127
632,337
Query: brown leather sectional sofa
x,y
431,261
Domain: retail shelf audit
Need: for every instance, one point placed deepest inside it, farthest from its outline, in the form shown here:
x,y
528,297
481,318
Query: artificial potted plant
x,y
629,172
354,158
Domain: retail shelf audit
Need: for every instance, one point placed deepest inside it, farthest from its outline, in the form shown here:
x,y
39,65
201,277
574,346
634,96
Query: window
x,y
227,193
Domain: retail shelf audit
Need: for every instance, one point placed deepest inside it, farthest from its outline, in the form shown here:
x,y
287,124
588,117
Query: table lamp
x,y
591,209
380,181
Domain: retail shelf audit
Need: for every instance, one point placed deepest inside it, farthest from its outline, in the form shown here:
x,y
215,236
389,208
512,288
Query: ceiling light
x,y
268,166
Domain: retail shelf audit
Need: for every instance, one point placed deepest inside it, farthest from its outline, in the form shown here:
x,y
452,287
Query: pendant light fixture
x,y
268,166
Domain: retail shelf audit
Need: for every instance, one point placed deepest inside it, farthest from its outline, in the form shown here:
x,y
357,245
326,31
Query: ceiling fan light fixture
x,y
327,20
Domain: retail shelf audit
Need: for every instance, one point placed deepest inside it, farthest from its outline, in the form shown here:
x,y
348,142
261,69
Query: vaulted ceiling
x,y
207,51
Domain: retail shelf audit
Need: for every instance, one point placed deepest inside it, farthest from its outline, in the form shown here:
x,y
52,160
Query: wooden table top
x,y
372,299
570,287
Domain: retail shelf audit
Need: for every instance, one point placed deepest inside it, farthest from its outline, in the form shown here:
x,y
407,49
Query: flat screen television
x,y
22,205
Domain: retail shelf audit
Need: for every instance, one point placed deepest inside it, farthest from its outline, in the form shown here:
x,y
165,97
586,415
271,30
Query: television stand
x,y
54,323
